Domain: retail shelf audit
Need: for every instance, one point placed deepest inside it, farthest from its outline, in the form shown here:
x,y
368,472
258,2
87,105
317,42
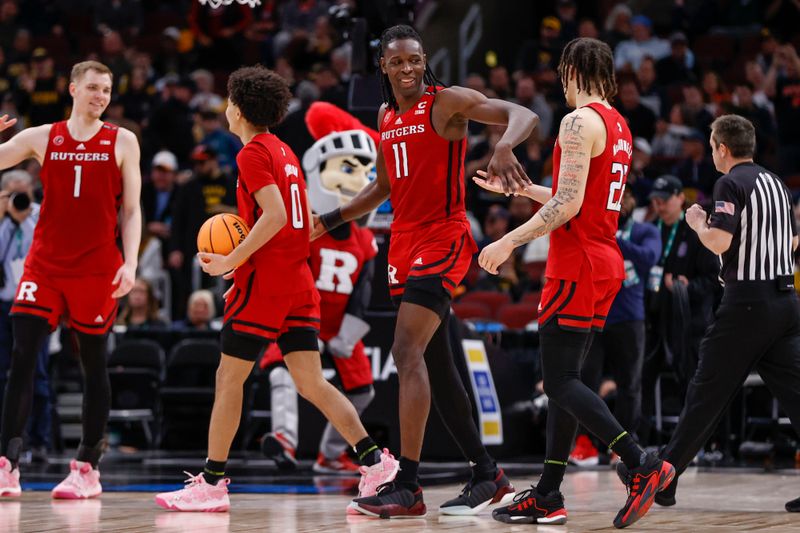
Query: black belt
x,y
758,289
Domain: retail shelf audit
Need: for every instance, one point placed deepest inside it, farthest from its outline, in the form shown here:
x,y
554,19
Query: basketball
x,y
222,233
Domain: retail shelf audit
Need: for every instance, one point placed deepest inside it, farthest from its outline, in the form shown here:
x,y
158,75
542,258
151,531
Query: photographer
x,y
18,217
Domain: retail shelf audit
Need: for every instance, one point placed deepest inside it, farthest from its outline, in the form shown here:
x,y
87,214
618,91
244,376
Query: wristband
x,y
332,219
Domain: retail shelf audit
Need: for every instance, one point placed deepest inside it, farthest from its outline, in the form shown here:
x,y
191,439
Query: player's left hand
x,y
215,264
123,279
696,216
495,255
504,165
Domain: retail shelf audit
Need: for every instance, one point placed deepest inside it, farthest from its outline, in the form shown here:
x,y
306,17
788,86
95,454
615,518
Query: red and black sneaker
x,y
643,483
392,501
478,495
530,507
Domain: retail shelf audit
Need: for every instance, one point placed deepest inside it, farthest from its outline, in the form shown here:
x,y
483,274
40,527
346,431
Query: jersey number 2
x,y
616,205
76,190
297,207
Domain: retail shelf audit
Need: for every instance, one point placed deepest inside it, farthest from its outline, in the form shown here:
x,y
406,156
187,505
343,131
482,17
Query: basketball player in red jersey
x,y
90,173
337,166
273,297
585,270
423,129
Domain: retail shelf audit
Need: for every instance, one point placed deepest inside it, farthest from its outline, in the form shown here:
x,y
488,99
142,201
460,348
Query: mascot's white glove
x,y
351,331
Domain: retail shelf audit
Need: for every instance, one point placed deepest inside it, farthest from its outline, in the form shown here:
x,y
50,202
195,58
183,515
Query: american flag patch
x,y
724,207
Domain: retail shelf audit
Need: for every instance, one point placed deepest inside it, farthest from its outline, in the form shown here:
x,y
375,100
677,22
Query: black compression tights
x,y
29,334
449,396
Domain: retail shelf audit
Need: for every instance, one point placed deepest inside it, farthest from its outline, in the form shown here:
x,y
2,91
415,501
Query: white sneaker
x,y
197,495
82,482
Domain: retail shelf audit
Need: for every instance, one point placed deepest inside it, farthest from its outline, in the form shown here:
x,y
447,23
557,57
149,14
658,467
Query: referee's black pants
x,y
757,328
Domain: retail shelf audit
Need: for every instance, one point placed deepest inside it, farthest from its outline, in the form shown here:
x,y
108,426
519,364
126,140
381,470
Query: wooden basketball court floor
x,y
727,500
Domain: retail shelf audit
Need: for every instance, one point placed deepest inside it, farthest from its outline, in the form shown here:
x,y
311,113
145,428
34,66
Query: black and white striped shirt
x,y
755,206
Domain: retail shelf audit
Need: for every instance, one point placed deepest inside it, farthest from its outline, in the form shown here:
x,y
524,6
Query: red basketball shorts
x,y
580,305
85,301
441,252
253,312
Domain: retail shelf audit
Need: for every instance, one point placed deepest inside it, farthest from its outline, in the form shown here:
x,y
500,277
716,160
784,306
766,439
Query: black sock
x,y
367,451
629,452
484,469
12,451
552,476
407,476
214,471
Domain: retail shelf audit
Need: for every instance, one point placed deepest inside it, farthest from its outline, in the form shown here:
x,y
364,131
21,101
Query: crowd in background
x,y
675,74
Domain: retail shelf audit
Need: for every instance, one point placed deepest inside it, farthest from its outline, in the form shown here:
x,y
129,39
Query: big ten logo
x,y
381,370
26,291
336,270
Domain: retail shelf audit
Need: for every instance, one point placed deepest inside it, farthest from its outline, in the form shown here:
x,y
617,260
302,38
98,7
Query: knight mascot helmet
x,y
340,162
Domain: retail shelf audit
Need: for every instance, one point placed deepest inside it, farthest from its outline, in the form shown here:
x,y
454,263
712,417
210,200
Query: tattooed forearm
x,y
573,169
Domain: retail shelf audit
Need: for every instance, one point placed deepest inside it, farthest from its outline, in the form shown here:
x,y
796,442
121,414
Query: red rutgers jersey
x,y
336,265
426,171
591,234
77,229
266,160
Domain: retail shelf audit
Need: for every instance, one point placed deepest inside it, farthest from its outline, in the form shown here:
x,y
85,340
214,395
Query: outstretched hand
x,y
493,184
5,123
504,166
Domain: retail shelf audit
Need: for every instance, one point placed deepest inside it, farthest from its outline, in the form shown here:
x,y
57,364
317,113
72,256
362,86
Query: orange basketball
x,y
222,233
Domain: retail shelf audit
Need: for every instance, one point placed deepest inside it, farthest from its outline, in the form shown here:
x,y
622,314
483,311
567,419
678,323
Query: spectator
x,y
210,191
115,114
511,279
171,122
113,55
768,49
668,140
641,119
219,33
18,217
297,18
681,290
526,95
529,155
124,16
9,23
677,66
588,29
544,52
715,92
622,342
617,26
755,76
628,54
19,56
476,82
330,87
170,59
6,82
495,226
219,140
642,172
520,210
696,114
341,62
263,30
743,104
566,11
199,312
141,308
500,82
159,195
696,170
138,97
651,94
785,90
43,94
205,99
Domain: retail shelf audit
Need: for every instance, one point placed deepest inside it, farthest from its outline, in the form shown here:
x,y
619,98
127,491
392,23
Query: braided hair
x,y
396,33
593,64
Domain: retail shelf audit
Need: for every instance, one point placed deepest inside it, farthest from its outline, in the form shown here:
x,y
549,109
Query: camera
x,y
20,200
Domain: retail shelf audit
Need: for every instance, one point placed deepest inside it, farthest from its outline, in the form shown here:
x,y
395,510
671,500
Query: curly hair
x,y
262,95
396,33
593,63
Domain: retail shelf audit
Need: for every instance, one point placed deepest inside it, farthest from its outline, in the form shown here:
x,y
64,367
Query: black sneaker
x,y
793,506
478,495
392,501
643,483
530,507
665,498
275,446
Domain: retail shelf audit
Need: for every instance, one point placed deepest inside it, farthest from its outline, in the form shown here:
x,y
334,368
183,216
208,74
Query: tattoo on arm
x,y
575,158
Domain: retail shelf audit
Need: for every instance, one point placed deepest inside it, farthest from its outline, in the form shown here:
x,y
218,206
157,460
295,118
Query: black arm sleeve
x,y
362,292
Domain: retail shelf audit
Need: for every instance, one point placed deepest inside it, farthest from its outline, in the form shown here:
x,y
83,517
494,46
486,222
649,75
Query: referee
x,y
757,325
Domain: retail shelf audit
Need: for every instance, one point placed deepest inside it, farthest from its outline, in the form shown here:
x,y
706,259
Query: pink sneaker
x,y
377,474
9,479
197,495
82,482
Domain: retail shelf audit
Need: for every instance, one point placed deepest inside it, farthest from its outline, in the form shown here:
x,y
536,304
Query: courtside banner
x,y
490,420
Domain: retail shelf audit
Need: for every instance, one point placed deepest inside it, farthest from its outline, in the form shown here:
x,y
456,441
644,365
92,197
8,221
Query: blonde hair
x,y
80,69
205,295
